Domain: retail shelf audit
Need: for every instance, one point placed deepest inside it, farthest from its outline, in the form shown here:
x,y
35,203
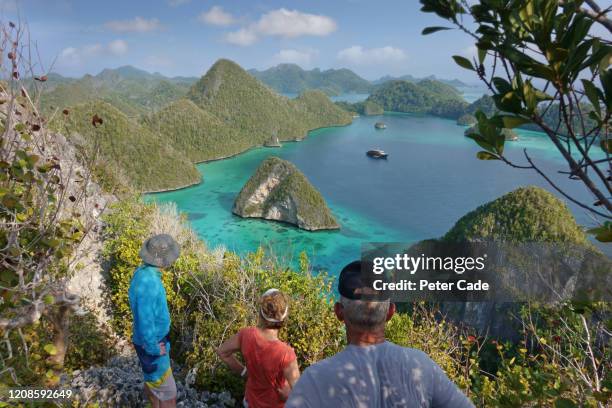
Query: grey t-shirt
x,y
377,376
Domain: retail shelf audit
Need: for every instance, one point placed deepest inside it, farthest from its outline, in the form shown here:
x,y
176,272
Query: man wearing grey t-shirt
x,y
372,372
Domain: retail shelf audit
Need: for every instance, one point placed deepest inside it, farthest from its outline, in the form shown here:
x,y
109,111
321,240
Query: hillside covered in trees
x,y
291,78
224,113
125,153
427,96
131,90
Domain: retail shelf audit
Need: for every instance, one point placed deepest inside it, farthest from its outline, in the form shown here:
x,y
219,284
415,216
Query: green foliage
x,y
255,112
218,296
474,133
555,365
347,106
426,96
226,112
219,291
290,78
603,232
39,236
29,359
485,104
128,225
556,78
317,110
195,132
211,132
126,229
528,214
422,329
449,108
89,344
29,187
126,150
366,108
132,91
369,108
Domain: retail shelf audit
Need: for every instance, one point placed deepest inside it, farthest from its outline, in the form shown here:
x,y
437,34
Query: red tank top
x,y
265,361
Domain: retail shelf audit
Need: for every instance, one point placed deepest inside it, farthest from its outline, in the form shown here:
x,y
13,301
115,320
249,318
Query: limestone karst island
x,y
279,191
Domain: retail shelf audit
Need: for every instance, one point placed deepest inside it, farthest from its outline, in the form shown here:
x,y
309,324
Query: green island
x,y
291,78
279,191
126,153
434,97
528,214
366,108
131,90
224,113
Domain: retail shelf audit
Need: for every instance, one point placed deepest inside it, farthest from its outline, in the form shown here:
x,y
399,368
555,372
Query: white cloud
x,y
176,3
284,23
136,25
217,16
68,52
118,47
303,58
241,37
358,55
73,56
293,23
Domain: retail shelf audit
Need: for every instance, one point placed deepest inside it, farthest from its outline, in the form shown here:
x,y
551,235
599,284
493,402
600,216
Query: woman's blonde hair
x,y
273,308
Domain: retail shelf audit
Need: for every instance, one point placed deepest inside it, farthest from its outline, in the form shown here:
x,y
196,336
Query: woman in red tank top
x,y
271,367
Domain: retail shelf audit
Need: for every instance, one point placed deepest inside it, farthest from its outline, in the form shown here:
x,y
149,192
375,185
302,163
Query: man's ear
x,y
391,311
339,310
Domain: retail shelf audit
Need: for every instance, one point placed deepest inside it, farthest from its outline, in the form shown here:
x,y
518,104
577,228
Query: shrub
x,y
422,328
90,343
210,300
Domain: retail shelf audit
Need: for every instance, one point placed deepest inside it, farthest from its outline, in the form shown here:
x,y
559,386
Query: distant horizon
x,y
471,84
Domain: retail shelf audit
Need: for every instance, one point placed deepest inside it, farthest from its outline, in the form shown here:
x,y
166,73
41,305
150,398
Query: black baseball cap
x,y
356,282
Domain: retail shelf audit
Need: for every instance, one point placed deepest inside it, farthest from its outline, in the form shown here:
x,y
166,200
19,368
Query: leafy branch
x,y
544,67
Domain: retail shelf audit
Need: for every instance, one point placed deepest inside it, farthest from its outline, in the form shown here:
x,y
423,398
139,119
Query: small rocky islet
x,y
279,191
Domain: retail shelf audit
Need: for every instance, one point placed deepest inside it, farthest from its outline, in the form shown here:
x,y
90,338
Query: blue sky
x,y
185,37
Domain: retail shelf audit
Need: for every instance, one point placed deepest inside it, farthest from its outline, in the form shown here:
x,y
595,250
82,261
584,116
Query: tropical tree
x,y
44,218
544,65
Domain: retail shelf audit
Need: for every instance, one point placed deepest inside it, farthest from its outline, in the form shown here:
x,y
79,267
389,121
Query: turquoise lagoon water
x,y
430,180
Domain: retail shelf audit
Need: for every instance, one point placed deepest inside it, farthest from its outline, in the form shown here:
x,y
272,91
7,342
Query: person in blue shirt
x,y
151,320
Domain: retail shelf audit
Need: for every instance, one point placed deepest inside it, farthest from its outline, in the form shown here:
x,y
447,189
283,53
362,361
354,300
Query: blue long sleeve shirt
x,y
149,309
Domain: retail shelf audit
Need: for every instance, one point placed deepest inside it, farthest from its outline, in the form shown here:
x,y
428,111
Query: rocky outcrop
x,y
279,191
273,142
120,384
